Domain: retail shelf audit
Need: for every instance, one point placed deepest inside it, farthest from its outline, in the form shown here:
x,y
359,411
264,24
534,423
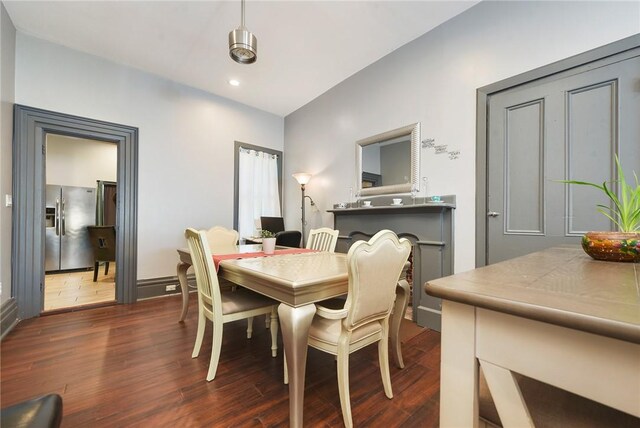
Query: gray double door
x,y
570,126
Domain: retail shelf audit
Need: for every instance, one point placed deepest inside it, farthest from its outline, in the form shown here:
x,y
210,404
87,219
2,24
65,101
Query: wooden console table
x,y
557,316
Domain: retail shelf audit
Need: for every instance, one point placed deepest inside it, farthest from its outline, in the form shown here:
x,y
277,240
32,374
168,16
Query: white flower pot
x,y
268,245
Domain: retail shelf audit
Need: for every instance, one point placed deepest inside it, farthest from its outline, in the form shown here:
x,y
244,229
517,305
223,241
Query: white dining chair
x,y
223,240
221,236
222,306
374,268
323,239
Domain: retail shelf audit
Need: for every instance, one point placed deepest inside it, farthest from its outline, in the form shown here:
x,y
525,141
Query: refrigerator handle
x,y
57,217
63,226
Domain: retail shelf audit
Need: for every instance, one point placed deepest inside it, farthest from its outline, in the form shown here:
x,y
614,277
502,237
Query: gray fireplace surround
x,y
429,227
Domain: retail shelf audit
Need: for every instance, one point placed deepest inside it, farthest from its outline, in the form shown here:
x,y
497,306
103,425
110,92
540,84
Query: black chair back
x,y
272,224
289,238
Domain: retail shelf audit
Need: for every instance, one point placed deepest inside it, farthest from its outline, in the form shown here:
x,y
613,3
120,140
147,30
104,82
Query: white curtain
x,y
258,193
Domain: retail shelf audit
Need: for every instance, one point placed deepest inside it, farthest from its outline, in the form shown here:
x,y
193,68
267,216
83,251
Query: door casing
x,y
31,126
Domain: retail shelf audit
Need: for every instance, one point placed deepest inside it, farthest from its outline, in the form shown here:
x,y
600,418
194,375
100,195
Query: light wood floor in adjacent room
x,y
69,289
131,366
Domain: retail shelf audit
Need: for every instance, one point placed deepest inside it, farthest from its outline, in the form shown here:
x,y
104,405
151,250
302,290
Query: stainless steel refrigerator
x,y
69,210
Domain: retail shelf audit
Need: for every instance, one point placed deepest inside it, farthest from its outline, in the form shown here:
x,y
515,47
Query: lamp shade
x,y
302,177
243,46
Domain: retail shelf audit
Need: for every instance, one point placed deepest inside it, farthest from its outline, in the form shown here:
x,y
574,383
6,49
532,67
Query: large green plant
x,y
625,212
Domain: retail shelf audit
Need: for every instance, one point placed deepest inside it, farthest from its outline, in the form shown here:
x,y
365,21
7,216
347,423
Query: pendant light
x,y
243,45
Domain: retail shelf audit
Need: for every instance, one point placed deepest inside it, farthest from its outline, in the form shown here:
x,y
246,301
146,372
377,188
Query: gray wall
x,y
7,95
433,80
185,138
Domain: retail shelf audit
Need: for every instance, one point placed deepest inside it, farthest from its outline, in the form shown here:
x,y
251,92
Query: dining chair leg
x,y
249,327
399,310
202,323
343,380
383,358
286,370
216,346
267,320
274,331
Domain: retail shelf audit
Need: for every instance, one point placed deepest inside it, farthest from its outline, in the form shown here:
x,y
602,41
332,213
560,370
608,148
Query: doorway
x,y
80,191
568,120
31,128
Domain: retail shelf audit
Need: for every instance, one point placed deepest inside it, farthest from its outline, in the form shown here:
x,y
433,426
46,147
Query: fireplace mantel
x,y
429,227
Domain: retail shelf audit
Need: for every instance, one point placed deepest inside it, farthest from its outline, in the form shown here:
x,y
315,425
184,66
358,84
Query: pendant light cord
x,y
242,14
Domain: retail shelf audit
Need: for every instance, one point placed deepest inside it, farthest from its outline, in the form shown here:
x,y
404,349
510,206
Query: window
x,y
258,186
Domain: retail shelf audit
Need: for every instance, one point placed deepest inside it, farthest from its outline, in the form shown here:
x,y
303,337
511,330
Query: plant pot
x,y
268,245
612,246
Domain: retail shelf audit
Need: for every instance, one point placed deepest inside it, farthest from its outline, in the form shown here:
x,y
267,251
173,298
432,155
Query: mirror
x,y
389,162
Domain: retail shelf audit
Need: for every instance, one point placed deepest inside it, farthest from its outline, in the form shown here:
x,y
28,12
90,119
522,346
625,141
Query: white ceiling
x,y
304,47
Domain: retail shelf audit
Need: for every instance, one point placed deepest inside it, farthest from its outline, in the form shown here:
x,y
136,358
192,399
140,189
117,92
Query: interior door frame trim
x,y
575,63
31,126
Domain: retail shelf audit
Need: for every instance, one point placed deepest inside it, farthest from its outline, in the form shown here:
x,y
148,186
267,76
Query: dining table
x,y
297,281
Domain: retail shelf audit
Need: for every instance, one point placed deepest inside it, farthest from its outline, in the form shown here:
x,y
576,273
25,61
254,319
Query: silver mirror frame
x,y
414,131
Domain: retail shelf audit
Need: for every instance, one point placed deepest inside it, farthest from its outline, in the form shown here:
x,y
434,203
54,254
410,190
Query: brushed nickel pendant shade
x,y
243,45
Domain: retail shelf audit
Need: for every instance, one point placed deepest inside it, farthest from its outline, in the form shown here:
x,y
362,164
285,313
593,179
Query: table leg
x,y
295,323
399,309
184,288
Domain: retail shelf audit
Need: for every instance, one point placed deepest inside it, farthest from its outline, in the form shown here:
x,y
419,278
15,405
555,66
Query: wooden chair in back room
x,y
103,244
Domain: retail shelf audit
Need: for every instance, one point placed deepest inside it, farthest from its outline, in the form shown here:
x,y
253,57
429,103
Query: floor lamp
x,y
303,178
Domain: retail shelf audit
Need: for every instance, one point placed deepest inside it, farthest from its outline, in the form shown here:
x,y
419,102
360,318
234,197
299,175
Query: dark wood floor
x,y
131,365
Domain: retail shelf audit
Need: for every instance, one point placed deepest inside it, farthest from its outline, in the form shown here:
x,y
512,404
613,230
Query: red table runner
x,y
220,257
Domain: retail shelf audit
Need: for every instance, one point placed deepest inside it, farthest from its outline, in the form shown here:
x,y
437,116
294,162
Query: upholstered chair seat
x,y
326,334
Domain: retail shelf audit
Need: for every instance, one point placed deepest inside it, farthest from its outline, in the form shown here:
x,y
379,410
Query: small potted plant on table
x,y
623,245
268,241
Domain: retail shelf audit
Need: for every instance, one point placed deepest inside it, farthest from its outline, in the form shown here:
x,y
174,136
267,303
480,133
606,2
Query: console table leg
x,y
458,367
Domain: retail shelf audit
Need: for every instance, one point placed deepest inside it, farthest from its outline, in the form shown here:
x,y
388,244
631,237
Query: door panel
x,y
592,117
542,132
524,204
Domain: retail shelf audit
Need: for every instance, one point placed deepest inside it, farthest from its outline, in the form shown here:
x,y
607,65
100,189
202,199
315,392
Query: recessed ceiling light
x,y
234,82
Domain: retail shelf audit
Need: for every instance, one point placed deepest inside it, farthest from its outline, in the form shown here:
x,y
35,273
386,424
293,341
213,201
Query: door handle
x,y
63,226
493,214
56,218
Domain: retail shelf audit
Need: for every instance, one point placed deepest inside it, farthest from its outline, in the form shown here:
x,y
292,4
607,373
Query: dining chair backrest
x,y
221,236
103,242
374,268
323,239
206,277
